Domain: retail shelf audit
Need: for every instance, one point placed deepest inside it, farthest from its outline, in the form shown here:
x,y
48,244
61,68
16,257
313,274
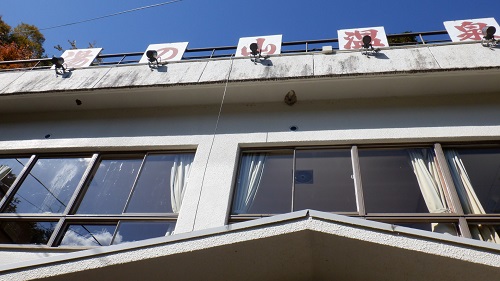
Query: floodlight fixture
x,y
367,40
58,63
489,32
256,53
489,36
254,48
152,56
367,46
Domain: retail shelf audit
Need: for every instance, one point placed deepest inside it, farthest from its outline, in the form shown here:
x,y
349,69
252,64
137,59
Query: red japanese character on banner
x,y
355,38
471,30
170,51
269,49
79,58
166,51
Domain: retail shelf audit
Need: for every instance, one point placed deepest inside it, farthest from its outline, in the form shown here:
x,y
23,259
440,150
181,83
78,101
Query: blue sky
x,y
210,23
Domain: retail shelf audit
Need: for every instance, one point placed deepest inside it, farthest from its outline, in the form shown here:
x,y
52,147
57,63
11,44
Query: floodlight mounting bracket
x,y
370,51
62,70
155,64
258,58
489,43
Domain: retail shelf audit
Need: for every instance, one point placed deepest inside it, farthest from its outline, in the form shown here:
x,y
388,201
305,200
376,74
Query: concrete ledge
x,y
47,80
391,60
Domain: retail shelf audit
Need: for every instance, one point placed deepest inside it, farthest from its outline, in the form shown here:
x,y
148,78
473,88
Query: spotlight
x,y
367,46
367,40
58,63
489,37
489,32
254,48
152,58
256,53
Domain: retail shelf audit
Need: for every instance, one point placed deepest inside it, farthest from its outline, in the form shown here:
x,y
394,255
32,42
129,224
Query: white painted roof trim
x,y
406,238
394,61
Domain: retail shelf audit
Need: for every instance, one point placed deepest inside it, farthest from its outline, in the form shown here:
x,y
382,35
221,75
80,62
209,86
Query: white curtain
x,y
431,187
252,167
179,175
468,197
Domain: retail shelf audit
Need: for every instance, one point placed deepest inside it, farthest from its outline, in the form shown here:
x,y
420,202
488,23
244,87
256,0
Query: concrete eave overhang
x,y
406,71
304,245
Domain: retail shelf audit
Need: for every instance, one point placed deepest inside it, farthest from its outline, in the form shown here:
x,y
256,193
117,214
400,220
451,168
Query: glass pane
x,y
49,186
264,183
485,232
442,227
25,232
324,181
110,187
152,193
389,183
88,235
482,166
135,231
9,170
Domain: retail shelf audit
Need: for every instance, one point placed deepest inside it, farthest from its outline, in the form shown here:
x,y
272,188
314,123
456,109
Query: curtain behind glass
x,y
179,178
252,167
468,197
426,171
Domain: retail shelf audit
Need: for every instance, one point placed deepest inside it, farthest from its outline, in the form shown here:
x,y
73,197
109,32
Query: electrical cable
x,y
213,137
111,15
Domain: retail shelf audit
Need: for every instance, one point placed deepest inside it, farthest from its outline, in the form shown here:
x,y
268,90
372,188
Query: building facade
x,y
303,166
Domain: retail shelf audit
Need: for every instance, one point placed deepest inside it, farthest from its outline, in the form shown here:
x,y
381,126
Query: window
x,y
476,175
402,181
10,168
91,200
400,185
266,182
324,180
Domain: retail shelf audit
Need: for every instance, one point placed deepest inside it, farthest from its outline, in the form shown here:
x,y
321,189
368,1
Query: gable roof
x,y
304,245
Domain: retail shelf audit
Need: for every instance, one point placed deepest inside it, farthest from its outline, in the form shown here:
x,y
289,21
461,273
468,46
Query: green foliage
x,y
409,39
25,41
4,32
29,36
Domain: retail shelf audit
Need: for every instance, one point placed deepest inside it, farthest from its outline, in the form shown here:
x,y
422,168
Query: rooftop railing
x,y
402,39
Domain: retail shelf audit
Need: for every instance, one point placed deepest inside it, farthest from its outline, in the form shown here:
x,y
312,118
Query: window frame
x,y
468,219
293,150
68,216
456,216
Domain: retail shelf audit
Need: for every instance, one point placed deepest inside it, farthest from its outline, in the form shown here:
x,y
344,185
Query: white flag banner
x,y
469,30
78,58
166,51
268,45
352,39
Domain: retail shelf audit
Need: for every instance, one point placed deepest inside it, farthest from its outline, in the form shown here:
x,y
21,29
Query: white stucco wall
x,y
207,201
425,118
